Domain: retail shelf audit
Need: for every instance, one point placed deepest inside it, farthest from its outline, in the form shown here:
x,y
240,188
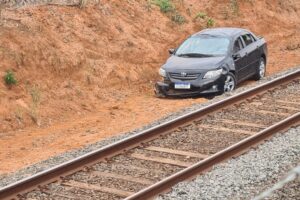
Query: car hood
x,y
188,63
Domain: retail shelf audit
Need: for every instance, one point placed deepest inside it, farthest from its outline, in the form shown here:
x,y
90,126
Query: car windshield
x,y
204,46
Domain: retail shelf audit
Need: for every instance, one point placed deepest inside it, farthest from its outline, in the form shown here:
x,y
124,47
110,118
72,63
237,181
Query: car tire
x,y
158,93
229,83
260,70
209,97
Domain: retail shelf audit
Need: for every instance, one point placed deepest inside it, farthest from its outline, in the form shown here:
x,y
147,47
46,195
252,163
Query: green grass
x,y
10,78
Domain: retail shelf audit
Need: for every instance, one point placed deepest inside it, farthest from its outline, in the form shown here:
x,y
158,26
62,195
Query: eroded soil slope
x,y
92,67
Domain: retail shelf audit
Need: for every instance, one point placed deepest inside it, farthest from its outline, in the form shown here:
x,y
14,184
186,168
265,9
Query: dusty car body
x,y
213,61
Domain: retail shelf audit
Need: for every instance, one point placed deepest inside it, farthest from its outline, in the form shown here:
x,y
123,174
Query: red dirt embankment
x,y
82,71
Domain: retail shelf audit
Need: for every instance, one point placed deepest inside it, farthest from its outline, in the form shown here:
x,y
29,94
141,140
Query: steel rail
x,y
11,191
209,162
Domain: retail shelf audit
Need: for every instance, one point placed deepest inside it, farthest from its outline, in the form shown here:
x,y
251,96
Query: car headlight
x,y
162,72
213,74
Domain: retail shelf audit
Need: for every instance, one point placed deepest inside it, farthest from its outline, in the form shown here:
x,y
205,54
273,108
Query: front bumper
x,y
205,86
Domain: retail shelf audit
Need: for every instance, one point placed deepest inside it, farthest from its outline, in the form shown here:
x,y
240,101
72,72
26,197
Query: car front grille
x,y
184,76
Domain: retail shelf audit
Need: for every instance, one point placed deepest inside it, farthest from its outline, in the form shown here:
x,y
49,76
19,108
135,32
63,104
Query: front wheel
x,y
230,82
158,93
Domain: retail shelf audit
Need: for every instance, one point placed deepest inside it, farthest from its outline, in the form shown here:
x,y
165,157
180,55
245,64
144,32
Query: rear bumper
x,y
203,87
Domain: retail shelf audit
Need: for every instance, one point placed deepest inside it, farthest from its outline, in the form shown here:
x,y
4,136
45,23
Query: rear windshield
x,y
205,45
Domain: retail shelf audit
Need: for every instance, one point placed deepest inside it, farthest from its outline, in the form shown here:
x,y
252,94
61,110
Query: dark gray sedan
x,y
213,61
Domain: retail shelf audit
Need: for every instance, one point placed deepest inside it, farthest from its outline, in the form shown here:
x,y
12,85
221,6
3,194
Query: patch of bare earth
x,y
87,74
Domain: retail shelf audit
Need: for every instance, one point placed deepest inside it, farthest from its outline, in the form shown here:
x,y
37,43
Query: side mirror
x,y
236,56
171,51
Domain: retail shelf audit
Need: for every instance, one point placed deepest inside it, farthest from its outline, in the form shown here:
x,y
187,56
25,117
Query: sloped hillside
x,y
71,61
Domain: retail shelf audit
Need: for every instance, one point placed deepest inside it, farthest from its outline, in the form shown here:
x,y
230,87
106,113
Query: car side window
x,y
247,39
237,45
253,38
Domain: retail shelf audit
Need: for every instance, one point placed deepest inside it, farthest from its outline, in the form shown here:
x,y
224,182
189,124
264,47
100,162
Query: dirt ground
x,y
87,74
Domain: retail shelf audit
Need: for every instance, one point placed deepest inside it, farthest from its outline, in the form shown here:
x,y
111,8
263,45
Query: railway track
x,y
149,163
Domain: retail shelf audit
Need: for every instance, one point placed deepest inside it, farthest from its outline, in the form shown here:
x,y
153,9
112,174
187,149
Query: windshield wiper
x,y
194,55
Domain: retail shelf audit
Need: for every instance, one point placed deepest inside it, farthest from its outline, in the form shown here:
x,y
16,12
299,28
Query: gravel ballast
x,y
287,188
44,165
245,176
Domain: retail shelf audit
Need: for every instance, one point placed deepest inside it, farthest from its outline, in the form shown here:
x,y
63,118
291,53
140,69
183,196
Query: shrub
x,y
19,114
234,7
9,78
210,22
82,3
164,5
179,19
148,5
35,95
200,15
36,98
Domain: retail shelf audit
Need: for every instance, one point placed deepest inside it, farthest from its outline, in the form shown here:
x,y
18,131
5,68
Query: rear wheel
x,y
261,70
230,82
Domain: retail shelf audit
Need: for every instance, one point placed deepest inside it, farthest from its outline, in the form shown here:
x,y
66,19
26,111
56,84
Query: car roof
x,y
227,32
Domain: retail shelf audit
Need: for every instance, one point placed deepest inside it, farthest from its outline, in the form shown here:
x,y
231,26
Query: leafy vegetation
x,y
167,6
179,19
201,15
164,5
234,7
210,22
148,5
19,114
82,3
10,78
35,98
35,95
